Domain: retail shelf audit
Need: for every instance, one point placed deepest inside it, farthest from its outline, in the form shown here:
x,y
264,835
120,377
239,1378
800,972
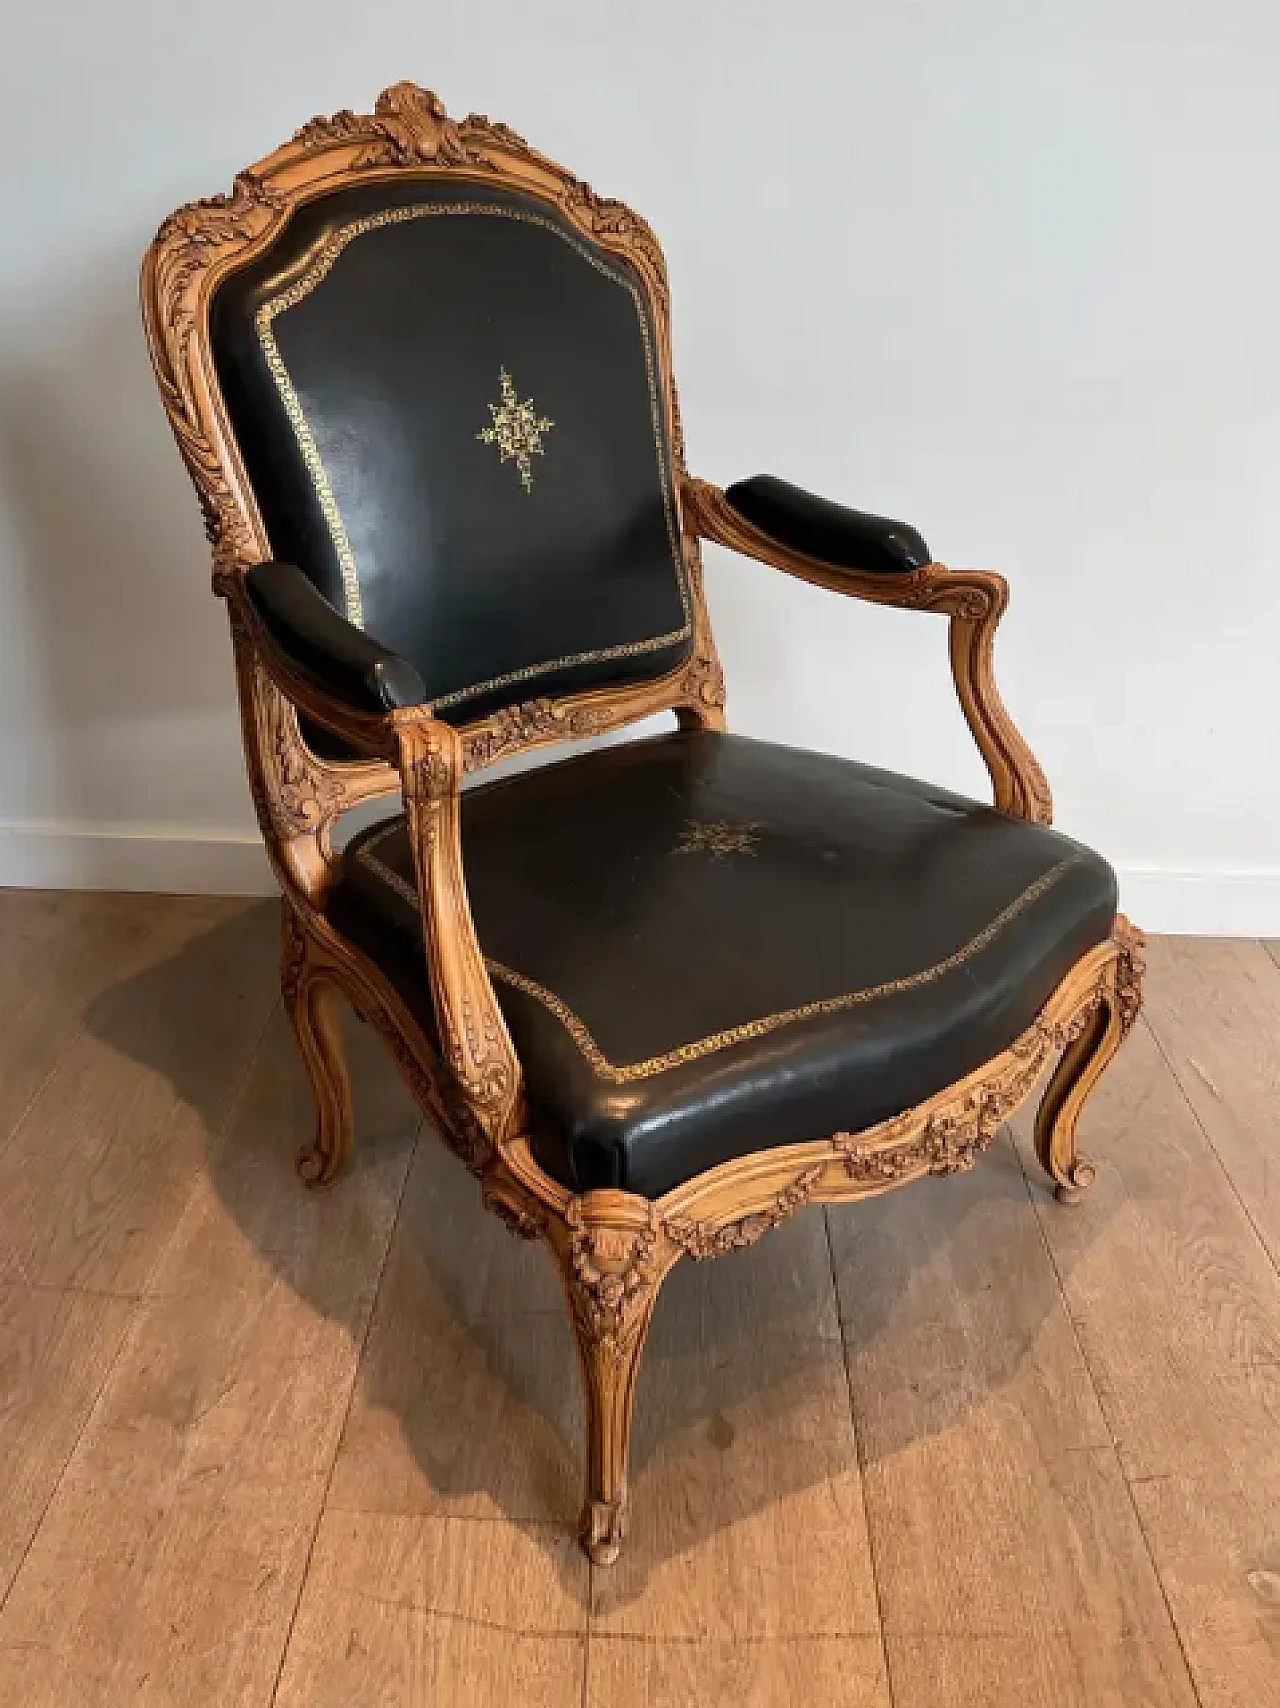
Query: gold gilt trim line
x,y
648,1069
310,454
314,463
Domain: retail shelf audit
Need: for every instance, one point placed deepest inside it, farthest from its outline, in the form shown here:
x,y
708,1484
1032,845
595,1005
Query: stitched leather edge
x,y
654,1065
314,464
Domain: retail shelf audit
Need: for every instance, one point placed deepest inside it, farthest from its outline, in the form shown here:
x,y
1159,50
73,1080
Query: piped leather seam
x,y
716,1041
314,463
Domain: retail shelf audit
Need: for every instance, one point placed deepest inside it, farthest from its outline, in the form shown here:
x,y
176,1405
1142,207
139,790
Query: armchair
x,y
658,997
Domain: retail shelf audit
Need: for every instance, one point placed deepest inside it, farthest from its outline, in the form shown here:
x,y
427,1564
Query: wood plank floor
x,y
957,1446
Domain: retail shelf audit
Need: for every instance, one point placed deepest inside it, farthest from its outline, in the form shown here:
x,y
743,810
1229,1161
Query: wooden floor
x,y
959,1445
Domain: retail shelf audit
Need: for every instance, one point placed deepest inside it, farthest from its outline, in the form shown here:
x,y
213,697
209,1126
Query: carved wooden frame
x,y
612,1248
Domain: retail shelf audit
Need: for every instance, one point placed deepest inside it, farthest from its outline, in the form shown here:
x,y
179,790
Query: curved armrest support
x,y
294,642
321,645
974,599
474,1040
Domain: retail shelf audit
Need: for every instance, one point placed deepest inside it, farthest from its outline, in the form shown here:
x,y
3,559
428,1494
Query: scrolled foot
x,y
1082,1175
313,1001
604,1525
315,1168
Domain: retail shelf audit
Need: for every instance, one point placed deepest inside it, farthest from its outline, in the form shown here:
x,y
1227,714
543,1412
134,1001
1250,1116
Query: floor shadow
x,y
467,1399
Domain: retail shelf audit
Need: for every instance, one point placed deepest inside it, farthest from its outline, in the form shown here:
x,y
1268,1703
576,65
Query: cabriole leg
x,y
1081,1066
612,1257
314,1002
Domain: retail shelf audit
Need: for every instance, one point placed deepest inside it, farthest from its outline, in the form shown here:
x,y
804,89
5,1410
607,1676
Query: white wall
x,y
1008,270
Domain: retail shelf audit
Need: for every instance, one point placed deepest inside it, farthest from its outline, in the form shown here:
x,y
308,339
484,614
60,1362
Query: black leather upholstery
x,y
850,539
359,358
324,647
705,945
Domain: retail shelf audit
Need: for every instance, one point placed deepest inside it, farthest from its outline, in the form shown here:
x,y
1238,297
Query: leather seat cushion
x,y
705,945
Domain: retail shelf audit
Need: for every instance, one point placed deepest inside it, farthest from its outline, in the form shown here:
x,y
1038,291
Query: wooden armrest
x,y
974,599
429,755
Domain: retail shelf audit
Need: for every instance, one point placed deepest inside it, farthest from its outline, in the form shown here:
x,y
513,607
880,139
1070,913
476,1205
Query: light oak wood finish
x,y
437,1610
1051,1477
1216,1017
1012,1569
613,1249
60,953
95,1173
1177,1306
175,1543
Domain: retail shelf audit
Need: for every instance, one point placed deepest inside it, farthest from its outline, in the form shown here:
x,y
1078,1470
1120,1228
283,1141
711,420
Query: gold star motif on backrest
x,y
716,838
516,429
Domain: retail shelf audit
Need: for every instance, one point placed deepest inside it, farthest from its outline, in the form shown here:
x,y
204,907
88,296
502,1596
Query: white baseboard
x,y
166,861
1206,903
1209,903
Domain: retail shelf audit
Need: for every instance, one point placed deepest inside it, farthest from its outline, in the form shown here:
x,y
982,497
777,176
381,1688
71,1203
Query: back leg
x,y
313,1000
1082,1065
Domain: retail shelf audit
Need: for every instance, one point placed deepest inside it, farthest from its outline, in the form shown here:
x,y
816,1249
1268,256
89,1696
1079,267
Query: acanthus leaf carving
x,y
474,1044
293,793
606,219
518,1209
186,245
956,1133
702,1240
408,127
293,950
306,793
1131,968
703,682
612,1275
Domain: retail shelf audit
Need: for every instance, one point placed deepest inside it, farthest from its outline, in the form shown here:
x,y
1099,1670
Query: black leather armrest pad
x,y
849,539
325,648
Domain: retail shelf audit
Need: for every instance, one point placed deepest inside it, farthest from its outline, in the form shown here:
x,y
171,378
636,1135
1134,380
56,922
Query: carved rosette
x,y
612,1275
704,1240
526,724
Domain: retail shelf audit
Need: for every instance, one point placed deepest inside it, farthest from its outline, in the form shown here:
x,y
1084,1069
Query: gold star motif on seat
x,y
516,429
716,839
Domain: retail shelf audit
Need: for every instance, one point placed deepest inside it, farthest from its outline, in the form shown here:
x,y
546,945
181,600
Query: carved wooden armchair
x,y
658,996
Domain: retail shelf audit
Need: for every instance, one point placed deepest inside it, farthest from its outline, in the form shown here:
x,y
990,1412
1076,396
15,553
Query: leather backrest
x,y
450,407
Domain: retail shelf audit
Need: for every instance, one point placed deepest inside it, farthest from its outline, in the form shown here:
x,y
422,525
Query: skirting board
x,y
1219,903
164,861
